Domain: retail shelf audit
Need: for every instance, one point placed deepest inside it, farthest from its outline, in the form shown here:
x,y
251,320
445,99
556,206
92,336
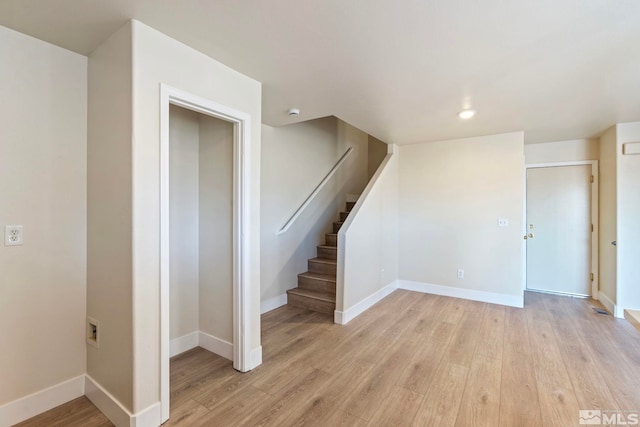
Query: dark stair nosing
x,y
324,260
318,276
321,296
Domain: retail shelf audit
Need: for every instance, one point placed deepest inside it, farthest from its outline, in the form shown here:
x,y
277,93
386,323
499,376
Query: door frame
x,y
242,330
595,286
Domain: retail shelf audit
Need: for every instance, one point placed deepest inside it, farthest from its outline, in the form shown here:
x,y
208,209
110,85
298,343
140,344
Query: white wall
x,y
451,196
295,159
201,224
216,227
42,187
160,59
109,209
562,151
369,240
608,215
184,219
628,224
377,151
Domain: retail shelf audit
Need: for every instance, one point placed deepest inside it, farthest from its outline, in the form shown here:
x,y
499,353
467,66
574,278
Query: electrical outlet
x,y
460,273
503,222
13,235
93,335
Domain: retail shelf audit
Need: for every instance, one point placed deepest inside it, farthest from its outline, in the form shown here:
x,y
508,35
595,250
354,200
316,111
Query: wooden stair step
x,y
328,252
317,282
350,206
322,302
337,225
343,216
322,266
331,239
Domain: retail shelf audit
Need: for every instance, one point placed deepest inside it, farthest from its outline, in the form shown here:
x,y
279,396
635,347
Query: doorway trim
x,y
241,229
594,219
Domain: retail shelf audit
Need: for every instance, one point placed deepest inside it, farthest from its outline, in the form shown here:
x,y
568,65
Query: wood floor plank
x,y
589,386
463,341
419,372
398,409
519,405
442,401
370,393
480,404
79,412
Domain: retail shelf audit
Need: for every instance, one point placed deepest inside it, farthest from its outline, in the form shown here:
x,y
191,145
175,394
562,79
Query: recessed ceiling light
x,y
466,114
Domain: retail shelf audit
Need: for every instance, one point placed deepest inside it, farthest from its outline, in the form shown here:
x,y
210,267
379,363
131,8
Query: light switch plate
x,y
13,235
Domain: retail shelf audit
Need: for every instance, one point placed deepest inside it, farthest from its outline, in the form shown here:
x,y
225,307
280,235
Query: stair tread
x,y
323,296
318,276
324,260
327,246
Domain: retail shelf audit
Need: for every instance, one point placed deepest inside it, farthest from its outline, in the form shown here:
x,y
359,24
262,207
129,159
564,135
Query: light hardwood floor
x,y
413,359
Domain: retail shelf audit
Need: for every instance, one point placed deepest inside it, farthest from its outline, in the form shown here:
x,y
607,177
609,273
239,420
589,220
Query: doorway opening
x,y
204,232
561,228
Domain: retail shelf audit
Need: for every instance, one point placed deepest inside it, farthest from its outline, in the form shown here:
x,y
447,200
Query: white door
x,y
559,229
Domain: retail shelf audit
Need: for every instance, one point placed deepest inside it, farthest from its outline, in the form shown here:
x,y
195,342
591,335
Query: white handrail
x,y
315,191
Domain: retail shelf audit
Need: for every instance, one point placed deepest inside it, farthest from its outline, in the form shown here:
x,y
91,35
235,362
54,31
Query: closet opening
x,y
204,230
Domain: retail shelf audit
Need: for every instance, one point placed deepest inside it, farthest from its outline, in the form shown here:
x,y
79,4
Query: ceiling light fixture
x,y
294,112
466,114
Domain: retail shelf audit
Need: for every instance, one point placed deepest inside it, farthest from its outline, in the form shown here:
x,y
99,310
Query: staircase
x,y
317,287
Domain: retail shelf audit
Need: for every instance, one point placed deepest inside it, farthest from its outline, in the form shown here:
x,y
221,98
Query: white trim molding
x,y
184,343
242,331
256,357
216,345
36,403
470,294
344,317
116,411
608,304
273,303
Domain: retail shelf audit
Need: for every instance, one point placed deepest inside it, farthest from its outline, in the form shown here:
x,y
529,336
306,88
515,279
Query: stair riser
x,y
328,253
343,215
336,226
316,285
350,206
311,303
321,268
331,240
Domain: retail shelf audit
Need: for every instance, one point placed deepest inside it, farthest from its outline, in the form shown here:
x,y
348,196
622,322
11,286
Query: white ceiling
x,y
399,70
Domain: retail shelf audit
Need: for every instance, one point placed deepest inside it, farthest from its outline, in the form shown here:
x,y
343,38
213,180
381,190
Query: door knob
x,y
529,236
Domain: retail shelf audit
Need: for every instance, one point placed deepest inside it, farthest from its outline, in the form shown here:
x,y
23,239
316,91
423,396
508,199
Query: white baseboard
x,y
608,304
470,294
256,357
619,311
201,339
106,403
116,412
36,403
273,303
183,343
150,417
216,345
344,317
